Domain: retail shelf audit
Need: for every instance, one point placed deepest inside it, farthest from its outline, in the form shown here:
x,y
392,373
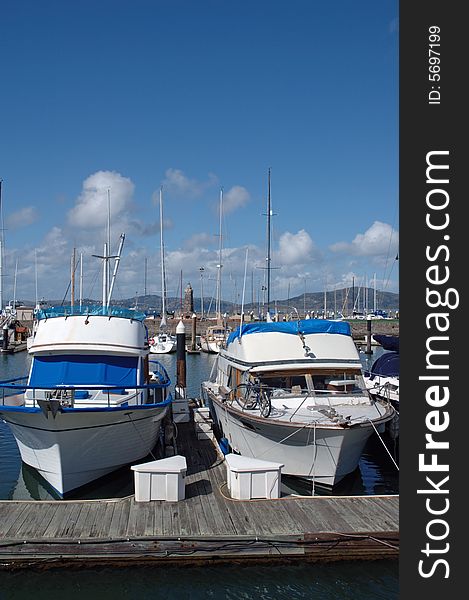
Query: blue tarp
x,y
84,370
389,342
305,326
387,364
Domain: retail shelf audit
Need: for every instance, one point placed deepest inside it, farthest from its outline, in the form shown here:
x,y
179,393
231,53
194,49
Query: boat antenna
x,y
107,290
108,231
116,266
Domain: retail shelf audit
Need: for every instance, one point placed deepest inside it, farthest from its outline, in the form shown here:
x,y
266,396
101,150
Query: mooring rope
x,y
382,441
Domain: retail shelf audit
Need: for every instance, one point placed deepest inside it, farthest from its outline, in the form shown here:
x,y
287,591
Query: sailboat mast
x,y
14,286
269,214
72,278
35,278
219,260
81,279
108,234
1,249
163,278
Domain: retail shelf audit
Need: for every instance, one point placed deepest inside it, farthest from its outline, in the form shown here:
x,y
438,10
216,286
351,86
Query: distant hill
x,y
339,301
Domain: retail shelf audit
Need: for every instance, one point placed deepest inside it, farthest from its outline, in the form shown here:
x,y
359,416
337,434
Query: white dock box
x,y
161,479
250,478
181,413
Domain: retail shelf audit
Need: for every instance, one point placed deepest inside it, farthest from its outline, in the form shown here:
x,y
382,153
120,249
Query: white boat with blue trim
x,y
89,404
293,393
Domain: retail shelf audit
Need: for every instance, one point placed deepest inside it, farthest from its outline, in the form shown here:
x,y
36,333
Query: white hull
x,y
293,393
384,387
78,447
209,347
163,347
213,340
323,455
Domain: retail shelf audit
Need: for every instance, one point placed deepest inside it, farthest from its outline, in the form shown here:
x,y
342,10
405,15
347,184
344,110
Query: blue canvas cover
x,y
389,342
306,326
90,369
387,364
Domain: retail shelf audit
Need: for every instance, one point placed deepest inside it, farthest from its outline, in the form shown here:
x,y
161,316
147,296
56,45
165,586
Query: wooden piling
x,y
368,335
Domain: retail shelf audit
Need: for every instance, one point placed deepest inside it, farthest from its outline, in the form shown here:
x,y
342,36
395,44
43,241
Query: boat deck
x,y
206,526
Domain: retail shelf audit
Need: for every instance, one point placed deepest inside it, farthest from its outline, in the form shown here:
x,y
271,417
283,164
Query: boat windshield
x,y
337,382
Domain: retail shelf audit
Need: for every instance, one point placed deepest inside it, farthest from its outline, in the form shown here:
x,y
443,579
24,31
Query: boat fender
x,y
224,445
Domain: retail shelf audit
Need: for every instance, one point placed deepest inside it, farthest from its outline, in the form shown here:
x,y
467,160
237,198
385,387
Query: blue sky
x,y
196,96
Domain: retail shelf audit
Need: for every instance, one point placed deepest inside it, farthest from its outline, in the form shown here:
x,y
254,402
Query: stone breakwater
x,y
359,327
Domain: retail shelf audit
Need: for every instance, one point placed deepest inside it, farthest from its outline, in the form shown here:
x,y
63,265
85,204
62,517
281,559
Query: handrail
x,y
164,381
88,311
145,386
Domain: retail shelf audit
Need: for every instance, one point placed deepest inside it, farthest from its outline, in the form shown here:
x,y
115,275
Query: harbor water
x,y
366,580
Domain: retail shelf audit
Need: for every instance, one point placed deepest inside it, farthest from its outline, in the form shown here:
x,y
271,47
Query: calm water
x,y
364,580
335,581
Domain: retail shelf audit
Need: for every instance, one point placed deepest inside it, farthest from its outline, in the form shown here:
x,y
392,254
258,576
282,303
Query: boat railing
x,y
257,396
88,311
67,395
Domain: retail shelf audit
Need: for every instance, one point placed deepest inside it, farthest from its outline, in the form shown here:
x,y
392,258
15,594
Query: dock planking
x,y
206,526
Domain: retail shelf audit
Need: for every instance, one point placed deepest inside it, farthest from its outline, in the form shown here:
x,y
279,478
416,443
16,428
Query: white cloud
x,y
379,240
295,248
198,241
22,218
177,182
235,198
54,247
91,208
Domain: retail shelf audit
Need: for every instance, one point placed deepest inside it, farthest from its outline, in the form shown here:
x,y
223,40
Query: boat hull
x,y
324,455
210,347
80,446
163,348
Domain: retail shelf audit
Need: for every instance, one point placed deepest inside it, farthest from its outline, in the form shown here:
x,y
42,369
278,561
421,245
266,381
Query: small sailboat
x,y
215,336
382,380
163,342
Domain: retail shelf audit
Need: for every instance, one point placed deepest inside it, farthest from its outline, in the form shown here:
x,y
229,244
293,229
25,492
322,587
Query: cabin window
x,y
230,377
338,382
285,384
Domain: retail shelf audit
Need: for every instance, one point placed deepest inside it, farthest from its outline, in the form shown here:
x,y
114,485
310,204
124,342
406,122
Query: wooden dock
x,y
207,526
